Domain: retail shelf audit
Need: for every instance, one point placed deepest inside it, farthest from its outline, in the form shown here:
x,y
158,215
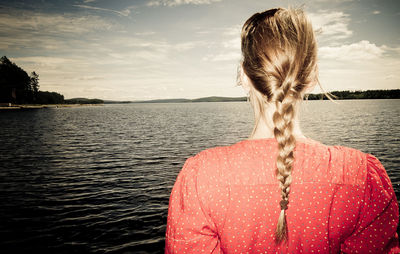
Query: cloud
x,y
28,42
90,77
124,12
359,51
171,3
227,56
33,30
51,23
233,43
376,12
333,25
157,46
228,47
391,50
233,31
391,76
125,64
51,63
147,33
187,45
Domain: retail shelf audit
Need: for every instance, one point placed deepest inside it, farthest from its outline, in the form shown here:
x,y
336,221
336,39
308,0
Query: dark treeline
x,y
49,98
17,87
83,101
349,95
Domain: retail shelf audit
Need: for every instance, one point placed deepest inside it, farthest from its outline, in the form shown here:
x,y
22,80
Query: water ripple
x,y
98,179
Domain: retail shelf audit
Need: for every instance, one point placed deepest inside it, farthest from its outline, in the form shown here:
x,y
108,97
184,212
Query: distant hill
x,y
203,99
164,101
83,101
219,99
115,102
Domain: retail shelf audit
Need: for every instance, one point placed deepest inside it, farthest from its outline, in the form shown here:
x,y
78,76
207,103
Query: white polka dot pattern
x,y
226,200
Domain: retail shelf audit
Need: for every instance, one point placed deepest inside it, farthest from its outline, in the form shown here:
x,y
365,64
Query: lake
x,y
97,179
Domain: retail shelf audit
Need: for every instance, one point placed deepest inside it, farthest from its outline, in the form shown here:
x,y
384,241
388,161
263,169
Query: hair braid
x,y
282,119
280,59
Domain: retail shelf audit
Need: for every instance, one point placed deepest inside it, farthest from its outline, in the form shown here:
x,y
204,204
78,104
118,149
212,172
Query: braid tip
x,y
281,233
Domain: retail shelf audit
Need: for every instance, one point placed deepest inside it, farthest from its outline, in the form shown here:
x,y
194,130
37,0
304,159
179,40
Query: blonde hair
x,y
279,53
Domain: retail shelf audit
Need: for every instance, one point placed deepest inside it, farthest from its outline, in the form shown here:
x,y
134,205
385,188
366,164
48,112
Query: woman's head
x,y
279,62
279,53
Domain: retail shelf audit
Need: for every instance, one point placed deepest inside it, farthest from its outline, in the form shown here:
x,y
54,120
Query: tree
x,y
50,98
34,85
15,84
17,87
35,81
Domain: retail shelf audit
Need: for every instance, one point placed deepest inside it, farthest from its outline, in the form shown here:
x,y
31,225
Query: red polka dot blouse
x,y
226,200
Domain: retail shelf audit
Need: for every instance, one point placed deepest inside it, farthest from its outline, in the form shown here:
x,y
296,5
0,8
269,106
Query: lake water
x,y
98,179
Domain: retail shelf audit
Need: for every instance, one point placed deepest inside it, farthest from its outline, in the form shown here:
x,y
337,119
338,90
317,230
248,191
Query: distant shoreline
x,y
42,106
239,99
337,95
205,99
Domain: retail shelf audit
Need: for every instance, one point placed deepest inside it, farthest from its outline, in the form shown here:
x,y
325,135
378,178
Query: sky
x,y
162,49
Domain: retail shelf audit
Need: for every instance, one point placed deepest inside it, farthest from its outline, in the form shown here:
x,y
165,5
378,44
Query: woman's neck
x,y
265,126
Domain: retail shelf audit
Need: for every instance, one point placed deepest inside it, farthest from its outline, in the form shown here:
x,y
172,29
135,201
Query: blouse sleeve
x,y
189,228
379,215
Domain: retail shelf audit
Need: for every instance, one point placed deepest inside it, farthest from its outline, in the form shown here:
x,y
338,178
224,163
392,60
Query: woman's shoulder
x,y
309,144
349,165
336,163
306,147
219,152
211,164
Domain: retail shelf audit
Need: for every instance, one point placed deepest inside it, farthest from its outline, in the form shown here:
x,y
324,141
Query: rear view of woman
x,y
279,191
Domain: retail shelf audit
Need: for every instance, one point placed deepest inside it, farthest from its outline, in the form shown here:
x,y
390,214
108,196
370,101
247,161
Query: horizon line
x,y
211,96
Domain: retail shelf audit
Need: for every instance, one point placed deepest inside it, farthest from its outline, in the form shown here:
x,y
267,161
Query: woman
x,y
278,191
